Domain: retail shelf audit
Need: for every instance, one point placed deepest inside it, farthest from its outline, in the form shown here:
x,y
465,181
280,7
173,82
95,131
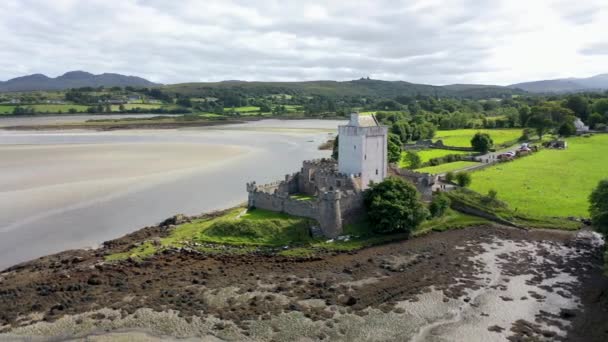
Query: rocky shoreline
x,y
442,284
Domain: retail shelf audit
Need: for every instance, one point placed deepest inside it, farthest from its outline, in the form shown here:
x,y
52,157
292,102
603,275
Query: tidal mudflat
x,y
76,189
487,283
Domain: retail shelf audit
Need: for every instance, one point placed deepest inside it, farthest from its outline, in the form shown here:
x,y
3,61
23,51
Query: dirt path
x,y
485,283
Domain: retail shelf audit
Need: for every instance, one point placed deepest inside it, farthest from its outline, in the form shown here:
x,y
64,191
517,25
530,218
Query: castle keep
x,y
328,191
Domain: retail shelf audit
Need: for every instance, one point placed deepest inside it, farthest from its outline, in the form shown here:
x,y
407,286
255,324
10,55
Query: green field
x,y
44,108
426,155
447,167
550,182
462,137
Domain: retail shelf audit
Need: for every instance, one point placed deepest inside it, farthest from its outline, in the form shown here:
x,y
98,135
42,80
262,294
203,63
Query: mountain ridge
x,y
565,85
72,79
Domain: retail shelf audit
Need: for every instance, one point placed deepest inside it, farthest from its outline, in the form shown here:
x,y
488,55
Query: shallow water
x,y
73,189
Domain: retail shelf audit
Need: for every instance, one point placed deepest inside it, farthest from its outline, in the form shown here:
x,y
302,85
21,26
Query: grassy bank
x,y
501,212
243,231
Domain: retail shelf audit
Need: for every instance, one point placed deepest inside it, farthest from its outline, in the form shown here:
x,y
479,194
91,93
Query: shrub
x,y
439,205
482,142
463,179
413,160
491,197
394,205
598,208
449,177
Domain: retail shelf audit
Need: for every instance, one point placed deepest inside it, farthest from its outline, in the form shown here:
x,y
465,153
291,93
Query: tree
x,y
413,160
598,208
394,148
601,107
541,122
394,206
439,204
595,119
334,152
579,105
567,129
482,142
463,179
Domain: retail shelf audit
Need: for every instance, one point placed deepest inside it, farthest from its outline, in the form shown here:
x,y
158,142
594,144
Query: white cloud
x,y
423,41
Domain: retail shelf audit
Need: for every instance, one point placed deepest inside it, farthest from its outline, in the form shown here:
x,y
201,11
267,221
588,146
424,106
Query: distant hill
x,y
361,87
72,79
565,85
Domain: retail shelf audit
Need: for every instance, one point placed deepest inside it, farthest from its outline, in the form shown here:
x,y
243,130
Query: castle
x,y
328,191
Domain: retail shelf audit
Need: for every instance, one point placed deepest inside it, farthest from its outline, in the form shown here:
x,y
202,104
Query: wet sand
x,y
478,284
61,190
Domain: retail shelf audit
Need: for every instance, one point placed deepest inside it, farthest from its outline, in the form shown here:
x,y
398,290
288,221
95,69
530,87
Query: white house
x,y
580,126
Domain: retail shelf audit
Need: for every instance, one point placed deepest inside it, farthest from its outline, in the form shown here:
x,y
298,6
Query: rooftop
x,y
359,120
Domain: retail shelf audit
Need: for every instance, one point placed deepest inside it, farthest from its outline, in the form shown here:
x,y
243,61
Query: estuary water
x,y
75,189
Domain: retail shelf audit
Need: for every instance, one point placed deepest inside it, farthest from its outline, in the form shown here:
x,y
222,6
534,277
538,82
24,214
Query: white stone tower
x,y
362,149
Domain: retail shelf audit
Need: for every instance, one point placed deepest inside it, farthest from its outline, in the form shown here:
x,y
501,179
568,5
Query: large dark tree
x,y
394,206
482,142
541,122
579,105
599,207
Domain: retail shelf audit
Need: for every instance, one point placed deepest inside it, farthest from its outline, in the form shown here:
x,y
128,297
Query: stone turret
x,y
330,216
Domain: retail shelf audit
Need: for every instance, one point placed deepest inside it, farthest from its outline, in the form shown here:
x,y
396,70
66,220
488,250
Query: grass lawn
x,y
301,197
426,155
294,108
237,226
447,167
462,137
550,182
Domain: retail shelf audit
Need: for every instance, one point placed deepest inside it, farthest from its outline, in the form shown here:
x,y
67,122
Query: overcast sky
x,y
422,41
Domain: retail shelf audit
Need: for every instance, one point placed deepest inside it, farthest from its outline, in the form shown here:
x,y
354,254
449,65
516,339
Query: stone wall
x,y
425,183
338,198
331,209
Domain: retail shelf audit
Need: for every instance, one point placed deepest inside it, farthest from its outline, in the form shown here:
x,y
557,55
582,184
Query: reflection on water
x,y
61,190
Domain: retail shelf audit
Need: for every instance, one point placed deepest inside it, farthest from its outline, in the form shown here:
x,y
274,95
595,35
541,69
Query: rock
x,y
175,220
496,328
567,313
94,280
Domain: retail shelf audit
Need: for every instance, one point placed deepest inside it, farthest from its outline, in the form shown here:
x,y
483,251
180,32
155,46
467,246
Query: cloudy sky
x,y
422,41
